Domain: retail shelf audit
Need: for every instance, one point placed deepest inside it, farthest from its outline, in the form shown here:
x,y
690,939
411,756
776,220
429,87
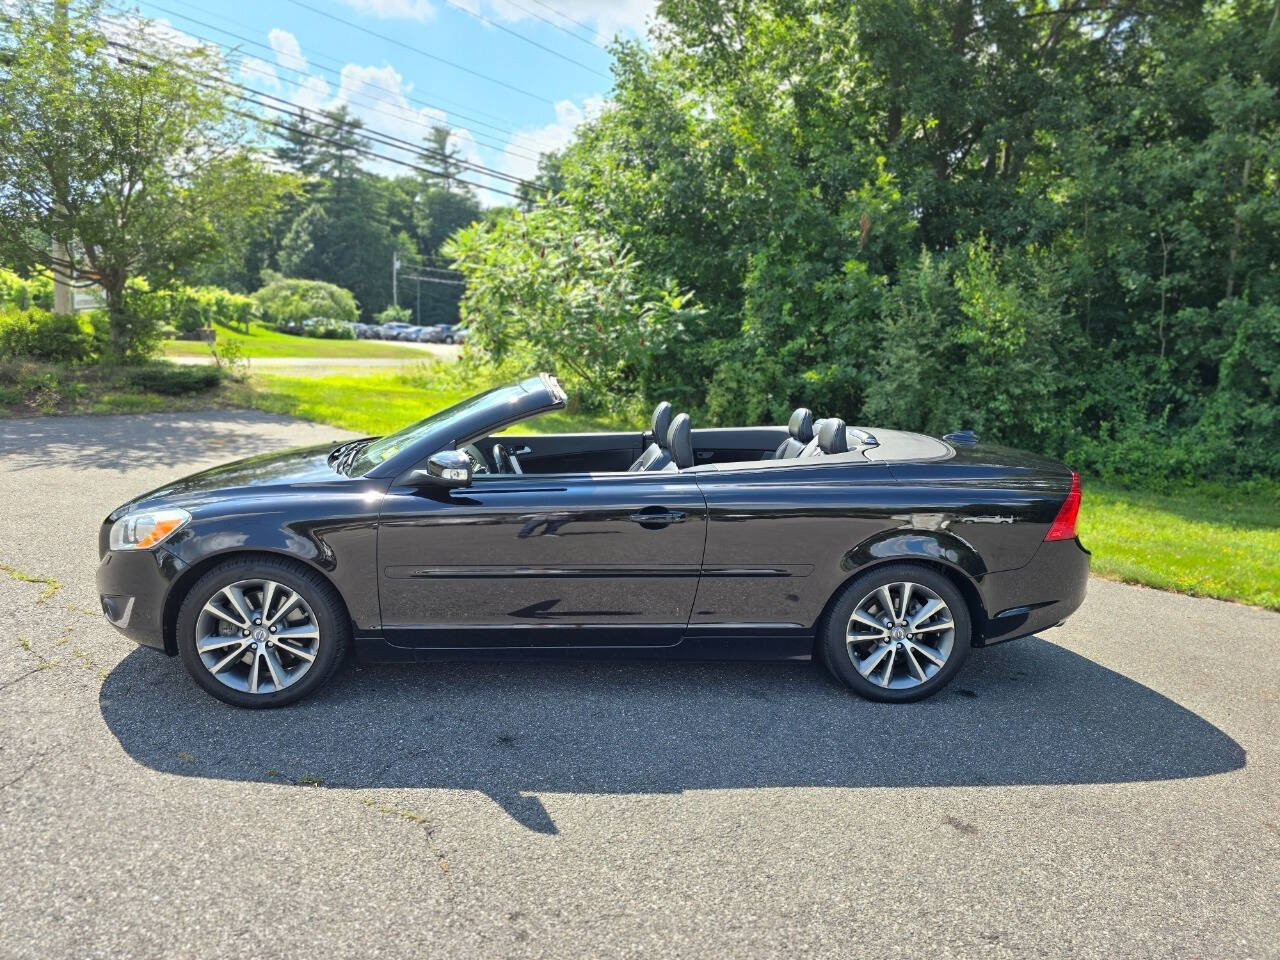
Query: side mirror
x,y
449,468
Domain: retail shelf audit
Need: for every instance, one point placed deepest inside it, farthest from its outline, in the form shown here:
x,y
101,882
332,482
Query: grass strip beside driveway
x,y
261,342
1209,540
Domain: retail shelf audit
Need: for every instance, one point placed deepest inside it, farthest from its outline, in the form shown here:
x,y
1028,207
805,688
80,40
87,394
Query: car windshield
x,y
384,448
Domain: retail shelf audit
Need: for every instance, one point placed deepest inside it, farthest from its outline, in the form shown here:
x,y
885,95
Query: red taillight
x,y
1064,524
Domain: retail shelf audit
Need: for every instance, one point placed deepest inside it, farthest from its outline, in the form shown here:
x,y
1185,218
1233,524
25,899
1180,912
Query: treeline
x,y
338,222
1057,224
126,158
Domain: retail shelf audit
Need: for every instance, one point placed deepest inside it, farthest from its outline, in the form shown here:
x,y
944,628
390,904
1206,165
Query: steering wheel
x,y
478,464
505,460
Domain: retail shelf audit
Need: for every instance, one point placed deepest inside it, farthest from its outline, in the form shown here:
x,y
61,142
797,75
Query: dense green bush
x,y
36,334
327,329
393,314
546,291
173,380
25,292
187,309
290,300
1059,228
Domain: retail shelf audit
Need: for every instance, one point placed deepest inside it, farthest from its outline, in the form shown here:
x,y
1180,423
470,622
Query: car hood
x,y
253,475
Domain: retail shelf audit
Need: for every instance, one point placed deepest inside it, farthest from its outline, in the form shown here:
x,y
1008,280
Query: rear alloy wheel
x,y
898,633
261,633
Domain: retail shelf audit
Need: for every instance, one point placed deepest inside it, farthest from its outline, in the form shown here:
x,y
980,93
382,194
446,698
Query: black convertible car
x,y
887,554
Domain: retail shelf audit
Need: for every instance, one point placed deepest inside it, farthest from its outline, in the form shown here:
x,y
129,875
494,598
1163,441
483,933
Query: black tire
x,y
325,603
832,631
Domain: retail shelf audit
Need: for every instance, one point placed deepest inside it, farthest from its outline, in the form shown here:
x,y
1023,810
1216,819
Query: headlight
x,y
139,531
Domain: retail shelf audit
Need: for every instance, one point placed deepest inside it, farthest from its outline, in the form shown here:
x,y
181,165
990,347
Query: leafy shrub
x,y
548,292
326,329
187,309
290,300
173,380
36,334
973,343
393,314
25,292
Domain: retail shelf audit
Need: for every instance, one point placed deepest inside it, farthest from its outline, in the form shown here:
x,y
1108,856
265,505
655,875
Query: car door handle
x,y
657,518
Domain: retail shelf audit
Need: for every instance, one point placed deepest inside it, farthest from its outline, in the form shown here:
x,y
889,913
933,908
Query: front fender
x,y
344,549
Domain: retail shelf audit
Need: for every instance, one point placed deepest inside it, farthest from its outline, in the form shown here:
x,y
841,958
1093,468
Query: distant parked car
x,y
362,331
396,331
449,333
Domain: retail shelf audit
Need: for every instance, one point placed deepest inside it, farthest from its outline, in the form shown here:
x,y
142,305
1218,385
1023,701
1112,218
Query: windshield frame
x,y
486,412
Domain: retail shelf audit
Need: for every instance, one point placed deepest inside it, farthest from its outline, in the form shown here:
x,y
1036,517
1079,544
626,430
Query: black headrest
x,y
831,436
801,424
661,422
680,441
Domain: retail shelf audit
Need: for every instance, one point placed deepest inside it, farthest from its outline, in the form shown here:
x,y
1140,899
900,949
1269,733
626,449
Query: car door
x,y
541,561
778,538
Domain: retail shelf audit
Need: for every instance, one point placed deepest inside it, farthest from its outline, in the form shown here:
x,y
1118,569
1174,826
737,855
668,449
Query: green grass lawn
x,y
381,403
1212,541
261,342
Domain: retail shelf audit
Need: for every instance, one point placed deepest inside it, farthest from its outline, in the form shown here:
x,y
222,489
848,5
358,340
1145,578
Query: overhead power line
x,y
385,139
211,81
502,143
558,26
561,13
447,283
419,51
372,154
529,40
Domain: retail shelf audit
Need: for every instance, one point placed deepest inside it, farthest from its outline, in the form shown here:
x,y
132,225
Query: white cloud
x,y
288,52
142,32
380,97
547,138
255,72
394,9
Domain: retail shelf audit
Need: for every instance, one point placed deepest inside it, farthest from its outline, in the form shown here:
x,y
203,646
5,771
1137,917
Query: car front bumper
x,y
1037,596
132,587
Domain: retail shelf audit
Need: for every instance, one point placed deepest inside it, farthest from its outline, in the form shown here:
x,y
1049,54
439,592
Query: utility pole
x,y
395,271
62,302
417,316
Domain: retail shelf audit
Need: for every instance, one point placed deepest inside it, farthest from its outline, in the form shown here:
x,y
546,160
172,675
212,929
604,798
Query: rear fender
x,y
936,546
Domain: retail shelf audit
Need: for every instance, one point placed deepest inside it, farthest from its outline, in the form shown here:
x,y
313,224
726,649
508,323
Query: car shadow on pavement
x,y
1031,712
124,443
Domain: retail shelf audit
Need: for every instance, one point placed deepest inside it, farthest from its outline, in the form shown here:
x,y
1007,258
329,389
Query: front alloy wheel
x,y
897,633
257,636
262,631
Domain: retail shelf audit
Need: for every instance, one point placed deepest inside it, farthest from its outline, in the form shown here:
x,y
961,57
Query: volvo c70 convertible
x,y
888,555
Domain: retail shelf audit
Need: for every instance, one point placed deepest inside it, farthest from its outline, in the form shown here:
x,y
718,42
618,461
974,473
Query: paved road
x,y
1108,790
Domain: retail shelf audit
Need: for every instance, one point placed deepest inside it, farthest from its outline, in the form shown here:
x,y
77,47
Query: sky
x,y
537,67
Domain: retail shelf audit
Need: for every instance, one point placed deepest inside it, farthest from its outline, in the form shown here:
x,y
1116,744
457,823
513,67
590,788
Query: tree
x,y
284,299
119,151
444,159
545,291
1058,221
344,237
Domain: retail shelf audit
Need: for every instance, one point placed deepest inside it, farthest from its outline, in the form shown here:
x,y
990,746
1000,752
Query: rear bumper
x,y
132,587
1037,596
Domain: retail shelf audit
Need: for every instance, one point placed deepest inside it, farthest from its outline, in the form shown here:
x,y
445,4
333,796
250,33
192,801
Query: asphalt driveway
x,y
1109,789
